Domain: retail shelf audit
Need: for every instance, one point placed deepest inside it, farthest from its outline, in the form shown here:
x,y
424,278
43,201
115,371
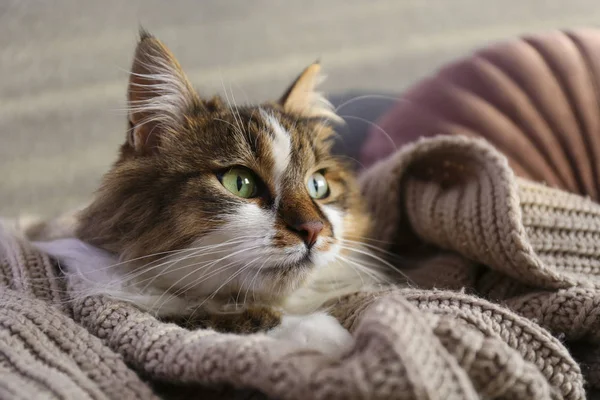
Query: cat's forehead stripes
x,y
281,144
281,147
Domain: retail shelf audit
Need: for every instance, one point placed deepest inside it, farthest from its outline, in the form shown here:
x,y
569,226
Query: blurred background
x,y
63,67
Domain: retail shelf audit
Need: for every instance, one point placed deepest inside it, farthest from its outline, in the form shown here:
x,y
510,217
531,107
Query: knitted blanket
x,y
504,305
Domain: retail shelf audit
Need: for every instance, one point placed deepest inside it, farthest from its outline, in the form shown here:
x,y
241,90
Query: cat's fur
x,y
165,234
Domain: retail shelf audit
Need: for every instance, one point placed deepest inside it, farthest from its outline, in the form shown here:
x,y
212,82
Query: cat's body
x,y
223,213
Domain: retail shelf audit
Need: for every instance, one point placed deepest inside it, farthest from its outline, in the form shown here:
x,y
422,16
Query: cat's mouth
x,y
307,260
301,259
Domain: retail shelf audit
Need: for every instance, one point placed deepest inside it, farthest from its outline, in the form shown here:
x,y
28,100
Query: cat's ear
x,y
159,94
303,98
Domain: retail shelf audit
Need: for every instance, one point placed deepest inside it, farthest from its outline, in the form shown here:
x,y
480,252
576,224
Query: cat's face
x,y
237,199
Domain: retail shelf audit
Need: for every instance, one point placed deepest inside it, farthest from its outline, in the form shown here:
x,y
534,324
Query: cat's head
x,y
235,198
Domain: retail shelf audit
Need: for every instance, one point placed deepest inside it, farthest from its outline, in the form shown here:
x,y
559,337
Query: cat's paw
x,y
317,331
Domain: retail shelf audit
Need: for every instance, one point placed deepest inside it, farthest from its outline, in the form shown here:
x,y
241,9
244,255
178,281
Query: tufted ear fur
x,y
303,98
159,95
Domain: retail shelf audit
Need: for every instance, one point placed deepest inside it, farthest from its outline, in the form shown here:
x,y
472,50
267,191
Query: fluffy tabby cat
x,y
237,216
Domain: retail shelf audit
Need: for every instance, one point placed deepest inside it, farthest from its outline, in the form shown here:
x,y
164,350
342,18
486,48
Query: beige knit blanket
x,y
505,305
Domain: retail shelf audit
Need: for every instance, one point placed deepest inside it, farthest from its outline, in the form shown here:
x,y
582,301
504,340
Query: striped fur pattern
x,y
178,240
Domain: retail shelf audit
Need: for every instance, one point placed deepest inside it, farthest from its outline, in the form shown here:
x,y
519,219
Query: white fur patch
x,y
93,271
91,262
280,146
223,257
336,219
317,331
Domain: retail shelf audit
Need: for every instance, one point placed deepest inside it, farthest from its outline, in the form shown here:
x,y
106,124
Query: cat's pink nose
x,y
309,231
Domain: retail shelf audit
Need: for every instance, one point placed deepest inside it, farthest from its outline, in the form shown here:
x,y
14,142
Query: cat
x,y
239,216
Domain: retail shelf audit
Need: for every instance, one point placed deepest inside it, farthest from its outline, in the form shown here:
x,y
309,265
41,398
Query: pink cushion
x,y
536,98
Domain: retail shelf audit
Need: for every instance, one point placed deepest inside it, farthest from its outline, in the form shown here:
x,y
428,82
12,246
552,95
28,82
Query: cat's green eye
x,y
240,182
317,186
